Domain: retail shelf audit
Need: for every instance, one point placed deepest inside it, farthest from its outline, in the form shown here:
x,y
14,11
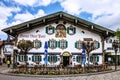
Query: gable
x,y
55,18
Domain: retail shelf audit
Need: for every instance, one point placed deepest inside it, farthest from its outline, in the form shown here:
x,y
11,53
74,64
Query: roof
x,y
55,17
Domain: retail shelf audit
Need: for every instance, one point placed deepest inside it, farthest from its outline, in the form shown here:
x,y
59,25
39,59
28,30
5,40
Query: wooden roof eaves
x,y
59,15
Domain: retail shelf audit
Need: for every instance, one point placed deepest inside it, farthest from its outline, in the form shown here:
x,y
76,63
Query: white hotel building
x,y
64,33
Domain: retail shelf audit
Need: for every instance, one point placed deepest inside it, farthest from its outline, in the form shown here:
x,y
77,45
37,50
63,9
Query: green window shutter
x,y
74,30
53,29
91,59
75,44
97,58
56,44
40,44
48,43
77,59
98,45
27,58
66,44
47,30
59,44
18,57
68,30
32,58
49,58
56,58
39,58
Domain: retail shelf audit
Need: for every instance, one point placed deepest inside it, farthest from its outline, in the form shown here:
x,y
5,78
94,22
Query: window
x,y
50,29
62,44
36,58
52,43
78,44
71,30
94,58
21,58
52,58
37,44
79,59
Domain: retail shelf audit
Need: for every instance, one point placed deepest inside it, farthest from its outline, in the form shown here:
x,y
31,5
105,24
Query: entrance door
x,y
65,60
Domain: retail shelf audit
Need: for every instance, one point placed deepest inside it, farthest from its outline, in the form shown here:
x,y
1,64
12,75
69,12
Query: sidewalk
x,y
4,68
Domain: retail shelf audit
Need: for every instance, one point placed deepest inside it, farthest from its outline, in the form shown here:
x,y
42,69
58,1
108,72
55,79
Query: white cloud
x,y
19,18
104,12
6,12
34,3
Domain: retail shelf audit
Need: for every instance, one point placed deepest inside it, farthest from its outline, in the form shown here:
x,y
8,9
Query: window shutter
x,y
53,29
75,44
33,58
68,30
56,44
97,58
59,44
18,57
40,44
48,43
77,59
27,58
66,44
74,30
49,58
47,30
98,45
91,59
39,58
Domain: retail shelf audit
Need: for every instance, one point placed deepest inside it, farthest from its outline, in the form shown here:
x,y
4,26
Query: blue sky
x,y
103,12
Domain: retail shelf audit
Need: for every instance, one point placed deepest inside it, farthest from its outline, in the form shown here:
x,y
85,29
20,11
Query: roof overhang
x,y
26,26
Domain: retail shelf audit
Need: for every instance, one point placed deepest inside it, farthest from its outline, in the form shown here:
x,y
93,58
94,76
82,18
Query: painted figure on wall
x,y
60,31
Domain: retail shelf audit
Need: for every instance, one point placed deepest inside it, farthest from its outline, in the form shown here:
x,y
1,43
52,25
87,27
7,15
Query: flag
x,y
46,53
83,56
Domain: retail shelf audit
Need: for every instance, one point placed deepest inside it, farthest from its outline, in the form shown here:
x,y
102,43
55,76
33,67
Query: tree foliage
x,y
118,34
25,45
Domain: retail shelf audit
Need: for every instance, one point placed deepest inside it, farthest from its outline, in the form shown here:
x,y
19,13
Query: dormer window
x,y
71,30
50,29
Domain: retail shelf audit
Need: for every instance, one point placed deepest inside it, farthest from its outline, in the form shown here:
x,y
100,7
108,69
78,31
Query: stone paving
x,y
113,75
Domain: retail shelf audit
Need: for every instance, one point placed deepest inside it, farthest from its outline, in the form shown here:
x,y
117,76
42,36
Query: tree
x,y
117,34
25,46
90,46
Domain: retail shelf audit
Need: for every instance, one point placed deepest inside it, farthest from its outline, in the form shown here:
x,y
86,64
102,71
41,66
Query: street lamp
x,y
115,46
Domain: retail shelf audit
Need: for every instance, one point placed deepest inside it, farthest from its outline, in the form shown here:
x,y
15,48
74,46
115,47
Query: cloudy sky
x,y
103,12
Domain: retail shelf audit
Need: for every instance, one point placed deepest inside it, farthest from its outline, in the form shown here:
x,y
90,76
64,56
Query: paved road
x,y
106,76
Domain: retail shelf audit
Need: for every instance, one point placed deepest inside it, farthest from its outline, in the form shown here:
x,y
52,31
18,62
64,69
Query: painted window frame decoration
x,y
79,58
62,44
37,43
21,58
96,44
52,58
78,44
50,29
71,30
52,43
36,58
60,31
94,59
